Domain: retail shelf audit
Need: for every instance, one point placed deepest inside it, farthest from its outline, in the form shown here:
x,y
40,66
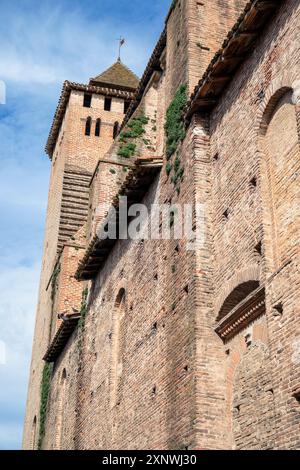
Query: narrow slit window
x,y
116,129
88,125
126,106
107,104
87,100
98,128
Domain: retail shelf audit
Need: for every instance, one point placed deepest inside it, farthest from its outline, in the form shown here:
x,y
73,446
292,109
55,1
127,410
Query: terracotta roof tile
x,y
117,76
63,102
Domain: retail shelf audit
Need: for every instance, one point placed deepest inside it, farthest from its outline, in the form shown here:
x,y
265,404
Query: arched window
x,y
117,347
88,125
239,294
98,128
280,167
60,410
116,129
33,434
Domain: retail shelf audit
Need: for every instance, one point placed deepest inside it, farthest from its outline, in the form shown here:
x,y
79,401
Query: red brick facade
x,y
184,349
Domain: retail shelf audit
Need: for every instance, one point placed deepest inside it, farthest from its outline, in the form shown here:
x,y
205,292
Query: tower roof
x,y
117,76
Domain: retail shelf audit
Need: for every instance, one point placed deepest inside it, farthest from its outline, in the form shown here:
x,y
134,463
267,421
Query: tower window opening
x,y
107,104
116,129
126,106
296,395
259,248
87,100
98,128
88,125
33,434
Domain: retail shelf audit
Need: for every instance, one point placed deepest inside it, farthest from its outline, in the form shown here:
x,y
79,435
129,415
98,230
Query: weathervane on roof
x,y
121,43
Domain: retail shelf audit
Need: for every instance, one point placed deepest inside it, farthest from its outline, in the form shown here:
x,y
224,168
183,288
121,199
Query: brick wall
x,y
74,160
255,220
154,367
196,30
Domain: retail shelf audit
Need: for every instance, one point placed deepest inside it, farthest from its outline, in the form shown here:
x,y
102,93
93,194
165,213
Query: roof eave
x,y
236,48
134,188
63,103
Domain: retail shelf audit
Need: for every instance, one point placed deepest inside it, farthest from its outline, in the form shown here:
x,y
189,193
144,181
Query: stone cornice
x,y
242,315
61,337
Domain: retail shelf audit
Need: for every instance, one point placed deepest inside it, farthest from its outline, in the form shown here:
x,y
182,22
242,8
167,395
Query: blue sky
x,y
42,44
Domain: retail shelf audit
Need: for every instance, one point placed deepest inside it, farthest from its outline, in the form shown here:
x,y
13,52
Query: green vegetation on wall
x,y
83,308
54,281
173,4
175,133
174,126
81,323
129,137
45,390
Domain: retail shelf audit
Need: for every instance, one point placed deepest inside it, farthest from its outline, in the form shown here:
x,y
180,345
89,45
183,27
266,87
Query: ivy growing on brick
x,y
175,133
168,168
45,390
83,308
129,137
81,323
54,281
174,126
127,150
173,4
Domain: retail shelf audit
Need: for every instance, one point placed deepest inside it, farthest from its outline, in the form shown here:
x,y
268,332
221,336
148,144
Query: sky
x,y
43,43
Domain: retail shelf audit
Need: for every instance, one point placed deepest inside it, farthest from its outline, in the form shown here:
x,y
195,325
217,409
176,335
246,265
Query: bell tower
x,y
85,123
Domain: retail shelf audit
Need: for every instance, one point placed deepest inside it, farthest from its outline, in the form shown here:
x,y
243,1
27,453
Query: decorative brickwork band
x,y
243,315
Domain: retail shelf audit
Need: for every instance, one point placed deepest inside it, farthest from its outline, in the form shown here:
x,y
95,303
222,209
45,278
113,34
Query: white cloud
x,y
17,313
51,46
42,44
10,434
17,306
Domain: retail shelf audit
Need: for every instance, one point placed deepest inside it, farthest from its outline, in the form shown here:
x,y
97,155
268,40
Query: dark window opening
x,y
116,129
226,214
258,248
87,100
278,310
126,106
248,340
98,128
88,125
296,395
107,104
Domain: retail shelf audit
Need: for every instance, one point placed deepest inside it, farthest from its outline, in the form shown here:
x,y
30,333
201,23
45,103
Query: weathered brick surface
x,y
74,160
148,370
256,136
